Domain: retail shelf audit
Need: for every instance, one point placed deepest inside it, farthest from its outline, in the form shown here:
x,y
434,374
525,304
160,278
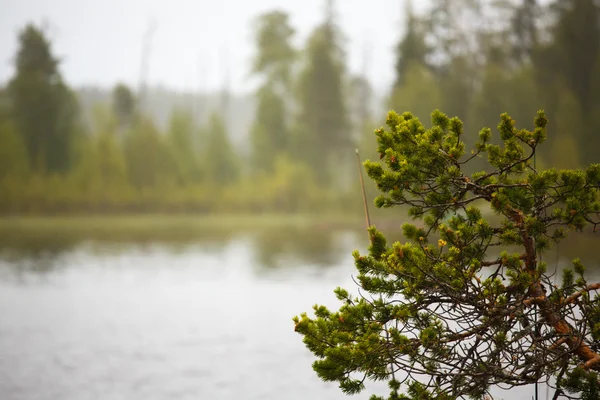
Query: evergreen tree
x,y
453,30
412,49
322,136
110,166
181,138
221,163
570,58
13,154
420,93
5,109
493,94
467,303
275,52
273,63
43,107
149,163
269,135
124,105
99,174
360,102
565,152
525,30
577,41
458,86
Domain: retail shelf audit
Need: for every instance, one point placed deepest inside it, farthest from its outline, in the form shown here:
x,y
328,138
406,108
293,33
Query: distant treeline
x,y
466,59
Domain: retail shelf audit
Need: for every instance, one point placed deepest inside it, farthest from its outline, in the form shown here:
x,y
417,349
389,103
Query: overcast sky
x,y
100,41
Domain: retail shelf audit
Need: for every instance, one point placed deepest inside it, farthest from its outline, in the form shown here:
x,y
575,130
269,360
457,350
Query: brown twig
x,y
364,193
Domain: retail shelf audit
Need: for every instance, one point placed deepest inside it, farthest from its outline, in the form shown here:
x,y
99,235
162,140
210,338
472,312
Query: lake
x,y
198,316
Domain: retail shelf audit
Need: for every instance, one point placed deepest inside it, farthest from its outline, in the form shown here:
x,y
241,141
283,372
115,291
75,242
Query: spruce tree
x,y
43,108
570,59
221,162
180,142
412,49
273,63
466,303
322,138
124,105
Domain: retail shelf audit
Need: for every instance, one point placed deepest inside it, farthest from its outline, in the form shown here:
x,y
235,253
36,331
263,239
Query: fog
x,y
101,41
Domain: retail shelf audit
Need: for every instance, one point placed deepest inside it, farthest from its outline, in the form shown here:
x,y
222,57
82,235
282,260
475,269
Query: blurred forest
x,y
290,146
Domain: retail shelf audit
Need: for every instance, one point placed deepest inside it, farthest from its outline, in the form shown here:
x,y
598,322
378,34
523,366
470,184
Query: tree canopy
x,y
43,107
466,304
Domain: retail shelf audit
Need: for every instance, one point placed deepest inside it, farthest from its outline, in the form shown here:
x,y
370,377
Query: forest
x,y
471,59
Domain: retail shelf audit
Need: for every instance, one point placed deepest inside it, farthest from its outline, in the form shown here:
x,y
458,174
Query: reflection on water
x,y
189,317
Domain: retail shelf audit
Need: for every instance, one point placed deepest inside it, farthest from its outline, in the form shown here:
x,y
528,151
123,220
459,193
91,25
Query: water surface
x,y
205,317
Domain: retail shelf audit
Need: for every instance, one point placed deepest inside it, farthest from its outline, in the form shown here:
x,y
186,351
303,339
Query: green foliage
x,y
13,153
276,54
459,83
222,165
572,57
43,107
412,49
309,114
14,166
181,145
124,105
322,137
444,309
420,93
149,163
270,134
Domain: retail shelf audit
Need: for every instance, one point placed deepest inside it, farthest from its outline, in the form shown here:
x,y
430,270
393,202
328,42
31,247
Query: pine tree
x,y
525,31
360,106
124,105
101,170
466,303
221,163
412,49
180,142
570,60
453,31
322,136
273,63
149,163
43,107
13,154
420,93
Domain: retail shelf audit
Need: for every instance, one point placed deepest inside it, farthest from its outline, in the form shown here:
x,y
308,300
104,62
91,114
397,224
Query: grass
x,y
42,233
160,227
60,231
143,222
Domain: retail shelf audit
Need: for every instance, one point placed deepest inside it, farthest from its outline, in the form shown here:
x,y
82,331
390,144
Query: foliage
x,y
270,133
181,140
274,61
412,49
466,303
420,92
467,57
43,107
149,163
321,134
124,104
222,165
13,153
571,58
275,53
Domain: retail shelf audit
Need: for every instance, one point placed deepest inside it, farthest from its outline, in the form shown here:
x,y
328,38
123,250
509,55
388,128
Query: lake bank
x,y
55,232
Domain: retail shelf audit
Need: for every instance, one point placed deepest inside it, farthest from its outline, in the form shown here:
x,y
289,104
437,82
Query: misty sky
x,y
101,41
